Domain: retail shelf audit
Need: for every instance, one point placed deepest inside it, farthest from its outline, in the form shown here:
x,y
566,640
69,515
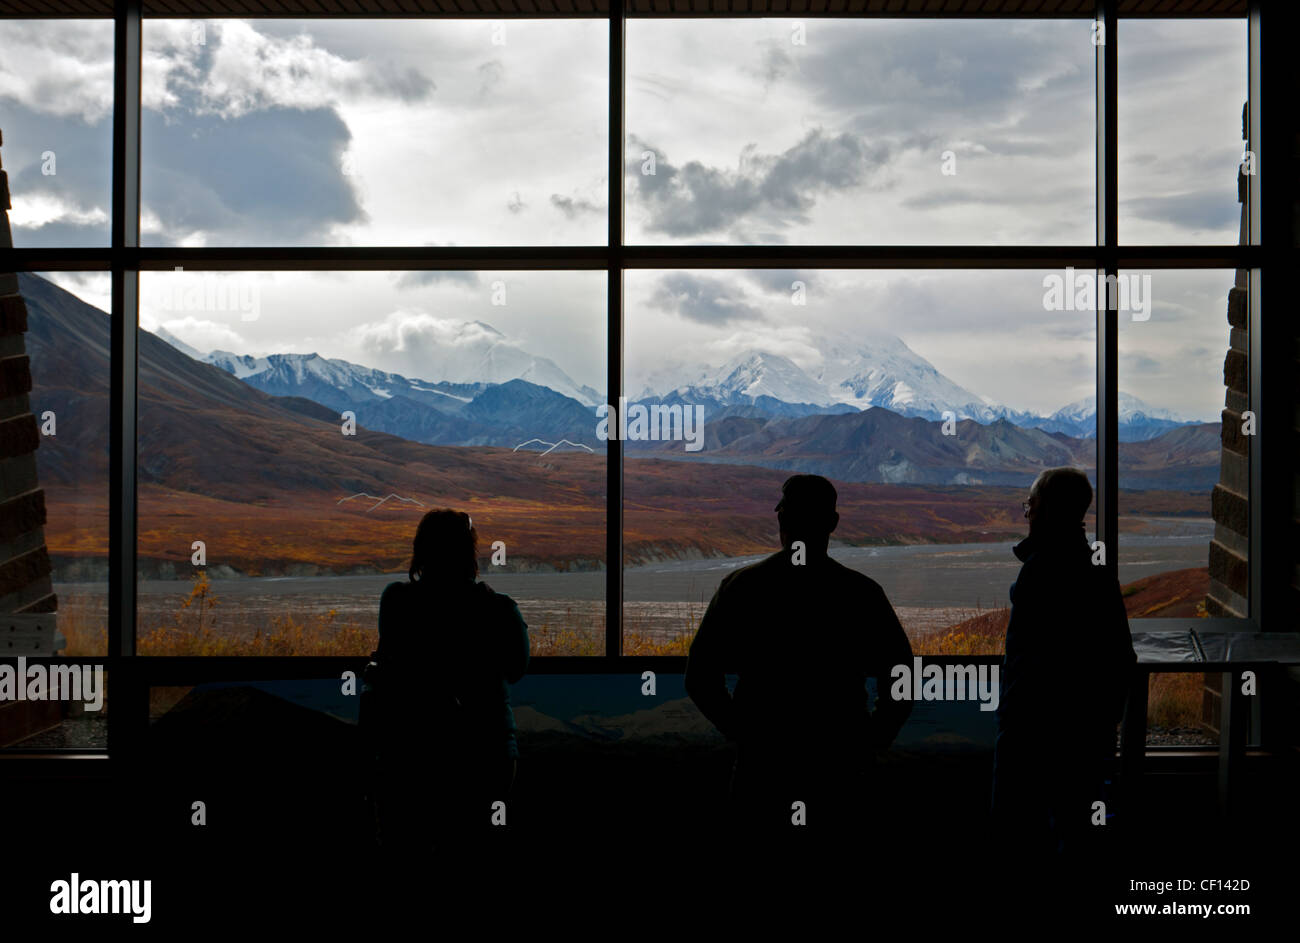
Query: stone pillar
x,y
1230,501
24,561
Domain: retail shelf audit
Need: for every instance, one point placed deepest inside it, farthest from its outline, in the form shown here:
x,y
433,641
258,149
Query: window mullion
x,y
130,693
614,337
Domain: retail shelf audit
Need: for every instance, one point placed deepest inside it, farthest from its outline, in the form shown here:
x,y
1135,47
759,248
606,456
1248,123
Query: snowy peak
x,y
760,373
881,370
862,373
163,334
1137,421
1130,409
468,353
241,366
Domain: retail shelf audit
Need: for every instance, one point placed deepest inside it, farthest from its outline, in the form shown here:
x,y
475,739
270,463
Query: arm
x,y
706,679
892,649
1020,657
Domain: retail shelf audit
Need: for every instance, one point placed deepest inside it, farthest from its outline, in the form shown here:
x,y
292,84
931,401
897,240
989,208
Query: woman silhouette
x,y
443,733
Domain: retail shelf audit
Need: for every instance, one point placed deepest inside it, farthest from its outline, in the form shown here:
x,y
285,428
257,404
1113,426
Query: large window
x,y
828,244
295,426
834,132
931,399
373,133
56,96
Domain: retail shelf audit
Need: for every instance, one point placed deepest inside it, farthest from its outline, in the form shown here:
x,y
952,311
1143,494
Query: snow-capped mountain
x,y
179,344
1137,421
853,374
760,373
478,353
474,354
1130,407
860,373
857,373
437,413
334,383
883,371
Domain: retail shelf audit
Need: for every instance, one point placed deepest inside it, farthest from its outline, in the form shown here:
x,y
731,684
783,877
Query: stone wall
x,y
24,561
1230,501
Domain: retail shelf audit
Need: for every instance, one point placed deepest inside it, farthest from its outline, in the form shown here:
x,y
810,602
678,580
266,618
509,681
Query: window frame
x,y
125,258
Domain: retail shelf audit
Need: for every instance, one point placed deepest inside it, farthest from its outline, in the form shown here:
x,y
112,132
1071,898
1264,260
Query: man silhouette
x,y
803,632
1064,677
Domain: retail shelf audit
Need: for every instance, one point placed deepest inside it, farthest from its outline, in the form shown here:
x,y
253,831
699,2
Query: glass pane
x,y
295,427
1184,479
64,708
1182,709
930,399
1182,87
56,115
54,529
367,132
768,131
65,485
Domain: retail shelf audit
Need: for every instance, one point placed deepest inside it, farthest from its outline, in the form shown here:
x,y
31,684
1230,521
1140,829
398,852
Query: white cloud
x,y
244,69
38,209
94,288
200,333
415,331
58,67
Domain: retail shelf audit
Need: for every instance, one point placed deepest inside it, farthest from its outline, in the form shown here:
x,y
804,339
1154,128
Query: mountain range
x,y
853,376
879,371
263,478
761,409
753,391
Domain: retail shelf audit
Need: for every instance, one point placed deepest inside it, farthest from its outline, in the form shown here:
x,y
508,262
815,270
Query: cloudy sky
x,y
341,132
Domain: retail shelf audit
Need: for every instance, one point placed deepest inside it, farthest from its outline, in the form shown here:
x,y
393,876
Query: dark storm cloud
x,y
972,72
571,206
779,279
437,277
702,298
265,177
695,198
1199,209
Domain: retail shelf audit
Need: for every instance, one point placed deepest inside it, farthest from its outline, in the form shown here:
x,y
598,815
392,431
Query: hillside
x,y
259,478
878,445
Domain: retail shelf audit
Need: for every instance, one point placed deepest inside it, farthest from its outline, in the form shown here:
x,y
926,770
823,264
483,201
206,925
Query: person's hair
x,y
1064,496
445,546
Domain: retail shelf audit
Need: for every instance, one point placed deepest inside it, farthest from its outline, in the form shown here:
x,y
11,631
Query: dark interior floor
x,y
286,835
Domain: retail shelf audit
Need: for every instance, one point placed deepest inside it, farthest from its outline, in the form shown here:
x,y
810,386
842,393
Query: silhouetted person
x,y
441,723
1064,678
803,633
